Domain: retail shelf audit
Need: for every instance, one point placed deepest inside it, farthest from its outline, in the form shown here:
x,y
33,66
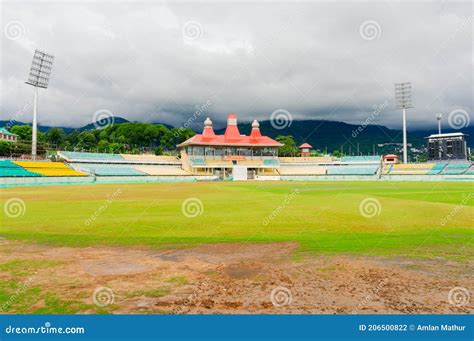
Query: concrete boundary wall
x,y
69,180
268,177
329,177
376,178
75,180
461,177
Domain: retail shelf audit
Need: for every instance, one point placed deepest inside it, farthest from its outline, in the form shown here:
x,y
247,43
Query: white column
x,y
34,137
405,154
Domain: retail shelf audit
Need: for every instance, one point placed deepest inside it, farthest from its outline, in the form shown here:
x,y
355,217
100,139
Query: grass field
x,y
154,247
419,219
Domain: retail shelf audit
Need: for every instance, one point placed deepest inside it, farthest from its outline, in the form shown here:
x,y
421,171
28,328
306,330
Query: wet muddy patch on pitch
x,y
114,267
240,279
242,270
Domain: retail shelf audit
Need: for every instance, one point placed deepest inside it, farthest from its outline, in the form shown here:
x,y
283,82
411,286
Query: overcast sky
x,y
159,62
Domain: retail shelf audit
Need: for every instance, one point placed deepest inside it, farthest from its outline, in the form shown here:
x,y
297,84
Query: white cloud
x,y
249,58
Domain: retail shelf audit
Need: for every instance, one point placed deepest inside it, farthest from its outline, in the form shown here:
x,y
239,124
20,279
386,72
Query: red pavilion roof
x,y
305,145
231,137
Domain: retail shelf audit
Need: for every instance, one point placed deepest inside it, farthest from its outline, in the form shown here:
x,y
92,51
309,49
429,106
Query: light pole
x,y
38,78
439,117
403,101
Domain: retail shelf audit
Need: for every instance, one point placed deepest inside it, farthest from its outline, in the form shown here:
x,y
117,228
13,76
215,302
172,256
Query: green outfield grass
x,y
419,219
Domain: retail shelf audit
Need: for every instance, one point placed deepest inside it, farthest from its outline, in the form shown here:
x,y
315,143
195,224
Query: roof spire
x,y
232,131
208,131
255,133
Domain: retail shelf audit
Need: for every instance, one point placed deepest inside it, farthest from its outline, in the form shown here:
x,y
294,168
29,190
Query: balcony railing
x,y
233,157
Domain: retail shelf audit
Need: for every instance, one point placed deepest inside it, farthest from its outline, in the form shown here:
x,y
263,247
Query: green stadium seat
x,y
456,168
437,168
367,158
198,162
352,170
82,156
107,170
271,162
453,171
9,169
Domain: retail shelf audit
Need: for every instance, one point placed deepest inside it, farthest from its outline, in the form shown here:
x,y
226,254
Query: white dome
x,y
255,124
208,122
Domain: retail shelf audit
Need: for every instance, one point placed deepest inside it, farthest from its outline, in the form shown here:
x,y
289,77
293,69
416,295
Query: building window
x,y
209,151
198,151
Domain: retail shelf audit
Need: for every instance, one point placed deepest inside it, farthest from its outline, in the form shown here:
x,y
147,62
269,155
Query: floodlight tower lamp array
x,y
403,101
40,72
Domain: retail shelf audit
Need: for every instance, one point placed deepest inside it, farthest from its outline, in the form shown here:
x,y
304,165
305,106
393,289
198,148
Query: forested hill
x,y
322,135
332,134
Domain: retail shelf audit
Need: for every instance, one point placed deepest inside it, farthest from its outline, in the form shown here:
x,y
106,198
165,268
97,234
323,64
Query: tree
x,y
182,134
86,140
5,148
289,145
158,150
130,136
104,135
423,157
166,138
116,148
66,146
23,132
73,137
336,153
55,136
316,153
103,146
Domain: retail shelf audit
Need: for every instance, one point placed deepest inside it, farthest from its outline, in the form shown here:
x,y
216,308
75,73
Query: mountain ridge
x,y
321,134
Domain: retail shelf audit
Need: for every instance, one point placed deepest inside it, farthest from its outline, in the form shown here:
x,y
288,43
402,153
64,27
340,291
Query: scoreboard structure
x,y
451,146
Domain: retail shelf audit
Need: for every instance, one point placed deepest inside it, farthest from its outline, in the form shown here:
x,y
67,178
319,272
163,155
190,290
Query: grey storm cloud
x,y
160,62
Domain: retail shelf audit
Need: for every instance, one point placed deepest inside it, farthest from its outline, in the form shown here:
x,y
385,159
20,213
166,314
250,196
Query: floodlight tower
x,y
439,117
38,78
403,101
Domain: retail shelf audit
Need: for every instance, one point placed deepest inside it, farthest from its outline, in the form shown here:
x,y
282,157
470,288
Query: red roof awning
x,y
231,137
305,145
221,140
